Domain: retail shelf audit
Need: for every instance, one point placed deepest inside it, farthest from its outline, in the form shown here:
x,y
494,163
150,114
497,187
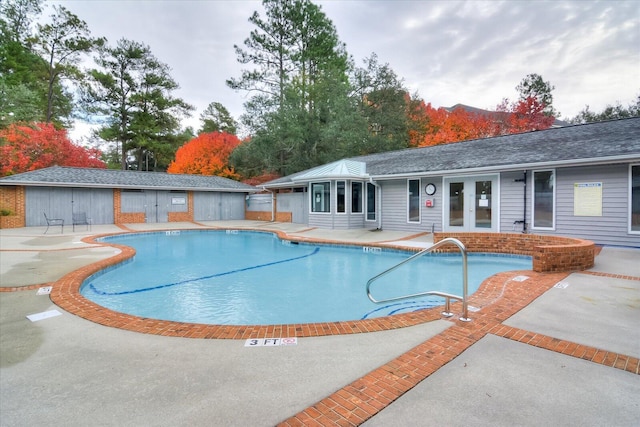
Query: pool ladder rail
x,y
448,297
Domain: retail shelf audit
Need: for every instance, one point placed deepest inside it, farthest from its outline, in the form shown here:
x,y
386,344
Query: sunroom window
x,y
356,197
321,197
341,194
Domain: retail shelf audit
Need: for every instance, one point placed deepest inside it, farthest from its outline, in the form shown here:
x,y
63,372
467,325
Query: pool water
x,y
253,278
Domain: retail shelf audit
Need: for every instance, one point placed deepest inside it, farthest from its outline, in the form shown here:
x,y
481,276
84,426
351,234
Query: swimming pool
x,y
255,278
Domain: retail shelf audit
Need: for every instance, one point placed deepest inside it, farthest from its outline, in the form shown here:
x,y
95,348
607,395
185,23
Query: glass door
x,y
470,204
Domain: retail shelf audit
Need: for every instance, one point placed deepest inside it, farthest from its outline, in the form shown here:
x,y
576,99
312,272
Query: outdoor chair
x,y
80,218
53,221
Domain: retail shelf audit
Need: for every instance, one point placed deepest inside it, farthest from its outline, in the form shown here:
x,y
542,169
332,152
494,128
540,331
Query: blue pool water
x,y
251,278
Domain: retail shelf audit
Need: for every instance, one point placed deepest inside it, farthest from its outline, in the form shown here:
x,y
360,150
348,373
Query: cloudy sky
x,y
470,52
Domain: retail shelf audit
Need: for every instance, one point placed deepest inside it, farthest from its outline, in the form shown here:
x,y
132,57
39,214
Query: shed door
x,y
156,206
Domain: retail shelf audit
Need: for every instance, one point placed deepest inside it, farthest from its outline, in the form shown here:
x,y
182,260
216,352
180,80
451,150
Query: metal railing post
x,y
447,296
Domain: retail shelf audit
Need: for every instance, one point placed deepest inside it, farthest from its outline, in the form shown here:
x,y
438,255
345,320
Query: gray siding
x,y
323,220
206,206
395,206
63,202
213,206
132,201
609,229
432,217
512,202
259,203
156,204
232,206
297,204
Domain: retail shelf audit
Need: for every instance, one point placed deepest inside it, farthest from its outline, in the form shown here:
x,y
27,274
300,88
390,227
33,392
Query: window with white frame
x,y
321,197
356,197
544,199
413,200
634,199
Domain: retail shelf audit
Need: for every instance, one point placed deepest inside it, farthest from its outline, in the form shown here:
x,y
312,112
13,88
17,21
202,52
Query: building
x,y
579,181
116,197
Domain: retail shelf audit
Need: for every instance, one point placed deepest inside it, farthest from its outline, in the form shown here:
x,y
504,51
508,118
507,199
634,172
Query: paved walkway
x,y
559,349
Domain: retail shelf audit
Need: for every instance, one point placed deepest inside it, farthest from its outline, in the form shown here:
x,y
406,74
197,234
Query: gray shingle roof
x,y
616,140
106,178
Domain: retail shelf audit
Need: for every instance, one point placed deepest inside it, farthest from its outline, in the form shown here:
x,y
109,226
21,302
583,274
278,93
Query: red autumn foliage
x,y
523,116
207,154
25,148
442,126
261,179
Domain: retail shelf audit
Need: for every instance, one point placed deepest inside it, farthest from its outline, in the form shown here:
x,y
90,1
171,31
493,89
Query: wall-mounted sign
x,y
178,200
587,199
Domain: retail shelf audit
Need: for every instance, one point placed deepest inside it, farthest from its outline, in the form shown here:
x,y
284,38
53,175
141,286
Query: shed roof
x,y
586,144
58,176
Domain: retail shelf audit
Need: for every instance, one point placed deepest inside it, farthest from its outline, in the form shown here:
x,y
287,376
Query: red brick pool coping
x,y
497,299
66,294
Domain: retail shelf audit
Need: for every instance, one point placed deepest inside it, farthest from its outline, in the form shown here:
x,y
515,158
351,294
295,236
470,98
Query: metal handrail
x,y
447,296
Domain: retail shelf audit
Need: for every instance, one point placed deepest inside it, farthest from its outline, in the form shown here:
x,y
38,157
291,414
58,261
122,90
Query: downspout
x,y
524,213
273,204
378,202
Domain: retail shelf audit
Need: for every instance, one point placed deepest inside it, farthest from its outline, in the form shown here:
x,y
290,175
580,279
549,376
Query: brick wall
x,y
183,216
550,253
257,215
12,198
124,218
284,216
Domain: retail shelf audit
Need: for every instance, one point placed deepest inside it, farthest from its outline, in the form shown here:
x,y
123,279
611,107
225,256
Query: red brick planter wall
x,y
550,253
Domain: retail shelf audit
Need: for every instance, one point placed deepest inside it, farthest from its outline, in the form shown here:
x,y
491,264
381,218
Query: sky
x,y
448,52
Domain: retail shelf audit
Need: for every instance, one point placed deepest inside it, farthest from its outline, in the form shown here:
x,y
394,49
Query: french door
x,y
471,203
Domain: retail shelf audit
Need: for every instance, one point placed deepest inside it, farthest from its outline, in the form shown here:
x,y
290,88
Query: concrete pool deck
x,y
557,348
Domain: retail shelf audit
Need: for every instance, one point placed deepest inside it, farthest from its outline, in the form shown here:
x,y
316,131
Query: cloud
x,y
472,52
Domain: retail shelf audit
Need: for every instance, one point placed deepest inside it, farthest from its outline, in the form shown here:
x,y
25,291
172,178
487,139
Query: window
x,y
483,204
341,193
371,202
413,200
356,197
634,203
320,197
543,199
